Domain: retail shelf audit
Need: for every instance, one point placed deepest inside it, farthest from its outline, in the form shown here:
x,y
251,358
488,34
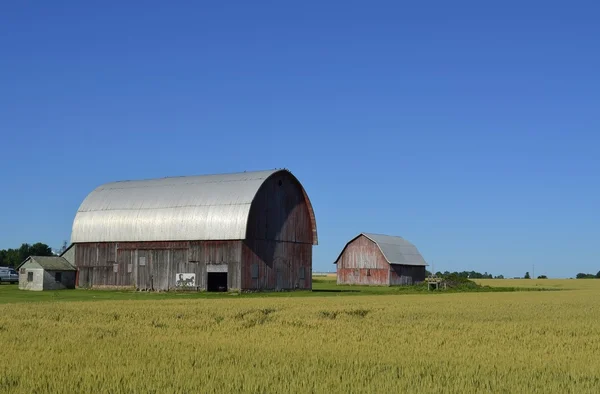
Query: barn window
x,y
368,272
142,260
115,268
254,271
58,276
129,268
301,273
30,277
280,182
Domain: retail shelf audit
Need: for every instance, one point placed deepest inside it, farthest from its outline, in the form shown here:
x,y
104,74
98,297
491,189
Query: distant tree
x,y
598,275
439,274
581,275
499,277
542,277
527,275
427,273
39,249
14,257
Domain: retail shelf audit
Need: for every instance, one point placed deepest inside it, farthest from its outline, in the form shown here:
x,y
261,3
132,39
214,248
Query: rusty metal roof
x,y
396,250
208,207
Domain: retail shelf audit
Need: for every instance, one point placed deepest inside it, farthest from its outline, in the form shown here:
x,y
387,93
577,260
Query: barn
x,y
39,273
380,260
242,231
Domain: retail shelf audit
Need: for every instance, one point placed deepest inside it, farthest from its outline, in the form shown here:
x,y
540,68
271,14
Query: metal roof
x,y
50,263
208,207
396,250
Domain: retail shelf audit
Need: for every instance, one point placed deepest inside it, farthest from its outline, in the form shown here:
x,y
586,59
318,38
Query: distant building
x,y
46,273
244,231
380,260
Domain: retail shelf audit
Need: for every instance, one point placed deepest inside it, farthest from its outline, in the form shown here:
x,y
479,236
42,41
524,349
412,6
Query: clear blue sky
x,y
471,129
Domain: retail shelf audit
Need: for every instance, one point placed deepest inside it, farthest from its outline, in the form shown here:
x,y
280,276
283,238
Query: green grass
x,y
322,287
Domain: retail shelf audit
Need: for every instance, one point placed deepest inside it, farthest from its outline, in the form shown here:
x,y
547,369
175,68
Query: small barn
x,y
380,260
240,231
39,273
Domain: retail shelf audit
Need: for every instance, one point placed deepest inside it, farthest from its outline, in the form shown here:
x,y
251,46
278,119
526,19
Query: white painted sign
x,y
216,268
185,280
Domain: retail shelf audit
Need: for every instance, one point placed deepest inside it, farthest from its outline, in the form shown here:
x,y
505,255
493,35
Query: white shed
x,y
39,273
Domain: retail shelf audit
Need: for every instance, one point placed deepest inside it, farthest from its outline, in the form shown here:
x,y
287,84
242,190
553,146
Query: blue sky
x,y
470,129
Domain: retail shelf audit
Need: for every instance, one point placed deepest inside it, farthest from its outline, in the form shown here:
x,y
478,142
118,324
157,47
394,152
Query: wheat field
x,y
471,342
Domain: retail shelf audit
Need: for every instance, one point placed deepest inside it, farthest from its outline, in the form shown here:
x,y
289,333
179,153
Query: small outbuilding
x,y
380,260
39,273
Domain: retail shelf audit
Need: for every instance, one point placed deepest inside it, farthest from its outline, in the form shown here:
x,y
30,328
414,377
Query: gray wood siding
x,y
279,239
406,274
277,265
154,265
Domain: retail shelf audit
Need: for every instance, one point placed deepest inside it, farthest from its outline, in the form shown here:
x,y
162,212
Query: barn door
x,y
144,280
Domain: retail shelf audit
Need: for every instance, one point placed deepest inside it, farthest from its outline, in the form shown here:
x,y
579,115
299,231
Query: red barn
x,y
381,260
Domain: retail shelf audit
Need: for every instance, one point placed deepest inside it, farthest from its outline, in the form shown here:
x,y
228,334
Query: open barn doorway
x,y
217,281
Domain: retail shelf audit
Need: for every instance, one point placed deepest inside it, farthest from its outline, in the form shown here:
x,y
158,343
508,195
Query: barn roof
x,y
207,207
50,263
396,250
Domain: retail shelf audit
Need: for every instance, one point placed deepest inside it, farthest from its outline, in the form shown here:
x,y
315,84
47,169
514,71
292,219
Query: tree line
x,y
581,275
14,257
466,274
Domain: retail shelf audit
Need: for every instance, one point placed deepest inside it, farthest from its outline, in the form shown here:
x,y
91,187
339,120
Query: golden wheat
x,y
474,342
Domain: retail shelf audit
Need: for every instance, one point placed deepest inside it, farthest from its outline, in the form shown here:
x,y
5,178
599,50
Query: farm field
x,y
530,341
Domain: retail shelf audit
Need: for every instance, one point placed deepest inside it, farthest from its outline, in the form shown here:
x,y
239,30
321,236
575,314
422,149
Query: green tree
x,y
527,275
14,257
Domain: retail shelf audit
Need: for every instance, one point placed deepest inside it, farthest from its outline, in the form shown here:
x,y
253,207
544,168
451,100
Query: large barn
x,y
243,231
381,260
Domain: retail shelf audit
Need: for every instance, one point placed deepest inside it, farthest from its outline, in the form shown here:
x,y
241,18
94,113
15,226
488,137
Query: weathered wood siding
x,y
362,263
277,252
276,265
406,274
154,265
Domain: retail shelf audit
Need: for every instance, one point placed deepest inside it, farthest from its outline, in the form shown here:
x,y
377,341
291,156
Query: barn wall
x,y
67,280
154,265
406,274
38,279
362,263
277,252
276,265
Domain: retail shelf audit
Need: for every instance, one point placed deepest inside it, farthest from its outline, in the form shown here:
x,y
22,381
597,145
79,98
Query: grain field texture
x,y
460,343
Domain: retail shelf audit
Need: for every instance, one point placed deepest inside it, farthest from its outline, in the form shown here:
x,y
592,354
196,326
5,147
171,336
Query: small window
x,y
142,260
301,273
129,268
30,277
280,183
58,277
368,272
254,271
115,268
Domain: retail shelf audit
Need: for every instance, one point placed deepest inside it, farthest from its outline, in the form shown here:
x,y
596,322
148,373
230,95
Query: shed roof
x,y
50,263
207,207
396,250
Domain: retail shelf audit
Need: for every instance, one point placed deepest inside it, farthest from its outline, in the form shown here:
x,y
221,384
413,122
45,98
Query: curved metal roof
x,y
209,207
396,250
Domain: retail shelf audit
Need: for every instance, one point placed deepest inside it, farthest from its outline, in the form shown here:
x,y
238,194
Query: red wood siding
x,y
362,263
